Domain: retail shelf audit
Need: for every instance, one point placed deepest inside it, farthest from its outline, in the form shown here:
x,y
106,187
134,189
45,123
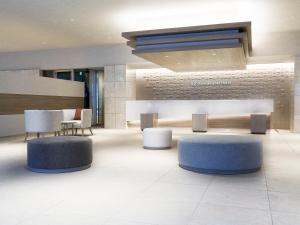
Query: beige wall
x,y
269,83
28,82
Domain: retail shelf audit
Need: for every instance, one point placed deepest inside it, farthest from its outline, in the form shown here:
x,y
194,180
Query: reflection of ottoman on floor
x,y
220,154
157,138
59,154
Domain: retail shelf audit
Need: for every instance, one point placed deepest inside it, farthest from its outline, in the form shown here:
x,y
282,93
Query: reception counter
x,y
183,109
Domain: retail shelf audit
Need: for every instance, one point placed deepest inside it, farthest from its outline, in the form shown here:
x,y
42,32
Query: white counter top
x,y
180,109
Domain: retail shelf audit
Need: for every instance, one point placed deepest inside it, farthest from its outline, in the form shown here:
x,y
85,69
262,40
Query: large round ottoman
x,y
59,154
157,138
220,154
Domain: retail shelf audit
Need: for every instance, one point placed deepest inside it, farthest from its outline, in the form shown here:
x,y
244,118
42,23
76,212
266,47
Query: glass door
x,y
96,97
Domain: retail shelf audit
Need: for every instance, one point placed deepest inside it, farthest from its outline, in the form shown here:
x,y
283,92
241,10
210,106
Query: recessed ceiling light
x,y
166,56
72,20
214,54
43,42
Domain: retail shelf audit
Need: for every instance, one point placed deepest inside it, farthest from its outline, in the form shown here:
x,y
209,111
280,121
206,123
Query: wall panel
x,y
26,89
270,83
16,104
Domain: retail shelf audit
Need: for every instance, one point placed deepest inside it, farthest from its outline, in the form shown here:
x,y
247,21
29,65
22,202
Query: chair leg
x,y
82,132
26,136
76,131
58,132
38,135
91,130
55,133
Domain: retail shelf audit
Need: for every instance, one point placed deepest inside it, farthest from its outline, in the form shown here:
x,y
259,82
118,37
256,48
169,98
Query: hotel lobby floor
x,y
128,185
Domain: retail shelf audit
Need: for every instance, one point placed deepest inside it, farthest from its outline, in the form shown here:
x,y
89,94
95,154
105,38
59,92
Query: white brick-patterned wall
x,y
296,102
271,83
117,89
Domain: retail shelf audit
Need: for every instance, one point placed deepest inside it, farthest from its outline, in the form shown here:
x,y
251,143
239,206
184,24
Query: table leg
x,y
72,129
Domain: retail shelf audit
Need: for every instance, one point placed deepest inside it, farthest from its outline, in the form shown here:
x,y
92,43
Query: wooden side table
x,y
65,127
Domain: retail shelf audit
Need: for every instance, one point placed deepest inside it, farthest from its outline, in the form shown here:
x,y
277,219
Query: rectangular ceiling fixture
x,y
198,48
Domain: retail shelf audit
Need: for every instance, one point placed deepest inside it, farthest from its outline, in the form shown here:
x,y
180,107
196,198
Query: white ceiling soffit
x,y
210,47
28,25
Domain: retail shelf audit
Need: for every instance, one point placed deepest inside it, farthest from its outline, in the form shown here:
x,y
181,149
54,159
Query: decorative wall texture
x,y
274,83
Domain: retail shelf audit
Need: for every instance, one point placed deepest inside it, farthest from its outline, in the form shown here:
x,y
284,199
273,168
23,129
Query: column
x,y
115,96
296,102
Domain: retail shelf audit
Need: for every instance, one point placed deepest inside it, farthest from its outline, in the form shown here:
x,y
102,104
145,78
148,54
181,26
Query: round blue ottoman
x,y
59,154
220,154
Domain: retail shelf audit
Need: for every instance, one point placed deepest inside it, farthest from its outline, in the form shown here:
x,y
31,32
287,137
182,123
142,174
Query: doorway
x,y
96,96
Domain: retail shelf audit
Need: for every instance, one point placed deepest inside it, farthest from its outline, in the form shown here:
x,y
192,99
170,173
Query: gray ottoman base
x,y
156,148
220,154
59,154
68,170
221,172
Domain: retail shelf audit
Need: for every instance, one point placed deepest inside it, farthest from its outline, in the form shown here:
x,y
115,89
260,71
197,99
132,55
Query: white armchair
x,y
41,121
85,122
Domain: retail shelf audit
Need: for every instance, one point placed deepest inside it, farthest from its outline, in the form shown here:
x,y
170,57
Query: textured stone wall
x,y
119,86
114,96
274,83
296,102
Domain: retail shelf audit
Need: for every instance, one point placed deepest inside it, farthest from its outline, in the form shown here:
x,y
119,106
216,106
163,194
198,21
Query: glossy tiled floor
x,y
130,186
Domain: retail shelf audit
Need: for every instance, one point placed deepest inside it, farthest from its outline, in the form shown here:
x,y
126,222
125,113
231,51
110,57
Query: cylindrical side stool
x,y
157,138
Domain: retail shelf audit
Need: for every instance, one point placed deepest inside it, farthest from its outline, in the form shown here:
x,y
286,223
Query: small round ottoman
x,y
220,154
59,154
157,138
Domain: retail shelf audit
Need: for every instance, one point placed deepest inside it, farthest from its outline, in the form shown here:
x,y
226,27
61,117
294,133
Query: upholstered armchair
x,y
42,121
85,122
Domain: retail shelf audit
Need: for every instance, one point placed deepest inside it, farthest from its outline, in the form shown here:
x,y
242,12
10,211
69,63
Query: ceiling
x,y
50,24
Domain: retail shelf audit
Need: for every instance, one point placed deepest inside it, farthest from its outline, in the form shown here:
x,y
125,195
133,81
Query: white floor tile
x,y
208,214
158,212
64,218
285,219
125,222
285,202
284,180
173,192
181,176
247,198
254,181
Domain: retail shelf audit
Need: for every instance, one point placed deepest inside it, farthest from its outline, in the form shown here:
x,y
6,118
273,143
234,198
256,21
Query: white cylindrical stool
x,y
157,138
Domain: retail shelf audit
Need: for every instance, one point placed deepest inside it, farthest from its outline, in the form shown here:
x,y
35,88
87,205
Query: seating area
x,y
149,112
57,121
